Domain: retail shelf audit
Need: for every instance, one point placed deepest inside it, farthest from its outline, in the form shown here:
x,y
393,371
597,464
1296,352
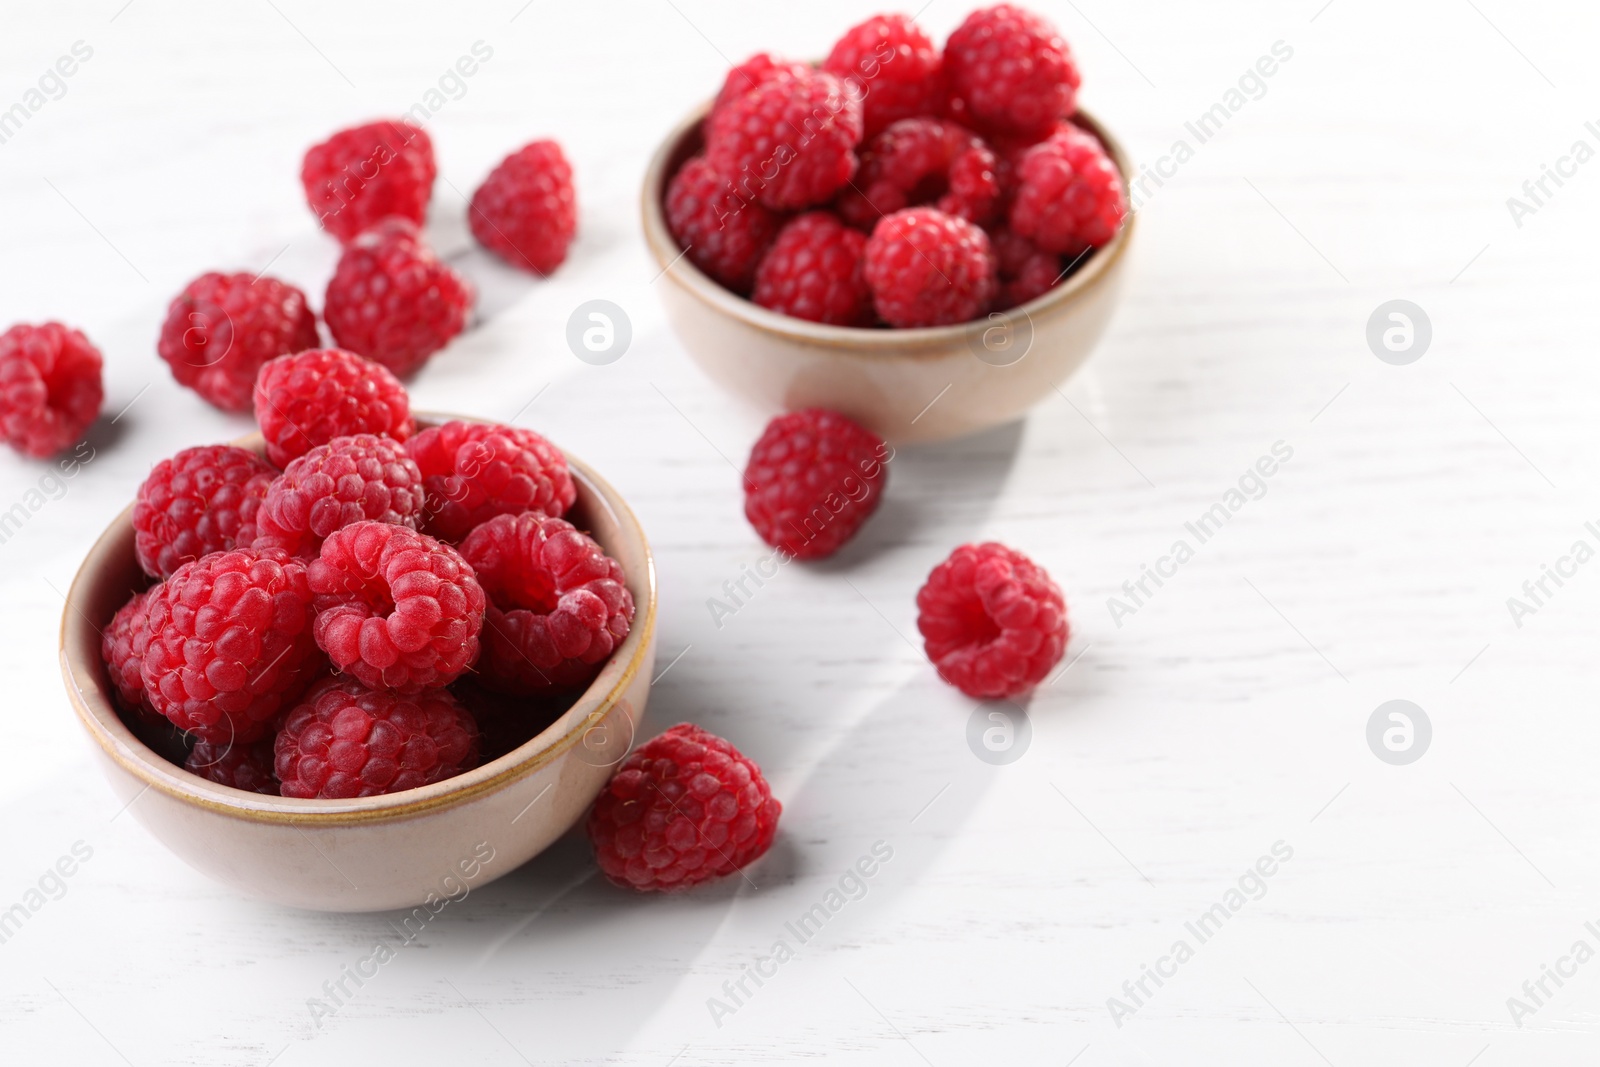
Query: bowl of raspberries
x,y
363,657
926,240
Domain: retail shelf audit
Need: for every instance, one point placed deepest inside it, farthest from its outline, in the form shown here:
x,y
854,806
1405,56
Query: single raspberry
x,y
1026,270
473,471
395,608
223,327
367,173
50,388
122,645
684,808
230,643
558,605
897,66
200,501
1070,196
392,300
346,740
927,268
790,142
526,211
923,161
247,767
813,271
347,480
753,73
1011,70
992,621
724,234
814,477
308,399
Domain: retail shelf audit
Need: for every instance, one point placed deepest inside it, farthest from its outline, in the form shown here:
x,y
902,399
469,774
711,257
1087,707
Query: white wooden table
x,y
1223,718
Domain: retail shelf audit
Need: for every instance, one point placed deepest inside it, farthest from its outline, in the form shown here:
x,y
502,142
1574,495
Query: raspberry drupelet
x,y
308,399
333,485
813,479
50,387
200,501
367,173
474,471
223,327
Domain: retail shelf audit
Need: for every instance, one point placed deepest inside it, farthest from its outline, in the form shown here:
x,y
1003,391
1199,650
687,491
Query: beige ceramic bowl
x,y
384,852
907,385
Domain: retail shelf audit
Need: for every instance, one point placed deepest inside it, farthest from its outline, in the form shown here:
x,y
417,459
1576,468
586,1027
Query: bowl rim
x,y
94,708
923,341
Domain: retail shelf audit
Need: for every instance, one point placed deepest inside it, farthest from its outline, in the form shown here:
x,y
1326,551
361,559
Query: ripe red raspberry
x,y
122,645
753,73
367,173
558,605
230,643
347,480
200,501
1011,70
526,211
725,234
50,388
684,808
473,471
924,161
308,399
897,66
392,300
1070,195
927,268
346,740
790,142
992,621
247,767
814,477
395,608
1026,270
223,327
813,271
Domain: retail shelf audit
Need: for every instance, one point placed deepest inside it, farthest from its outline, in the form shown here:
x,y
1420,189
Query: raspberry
x,y
927,268
813,271
790,142
230,643
1026,271
247,767
200,501
684,808
367,173
395,608
1070,195
814,477
347,480
753,73
1011,70
223,327
310,398
558,605
122,645
897,66
50,389
992,621
345,740
392,300
473,471
724,235
526,211
924,161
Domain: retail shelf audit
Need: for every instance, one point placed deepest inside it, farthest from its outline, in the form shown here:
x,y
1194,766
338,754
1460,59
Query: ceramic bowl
x,y
398,851
907,385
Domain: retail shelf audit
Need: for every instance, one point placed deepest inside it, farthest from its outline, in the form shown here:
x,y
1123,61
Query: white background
x,y
1228,714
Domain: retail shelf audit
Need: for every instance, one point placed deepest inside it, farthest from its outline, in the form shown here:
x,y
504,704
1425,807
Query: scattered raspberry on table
x,y
558,605
50,387
992,621
346,740
526,211
202,500
347,480
368,173
684,808
927,268
223,327
474,471
813,479
308,399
